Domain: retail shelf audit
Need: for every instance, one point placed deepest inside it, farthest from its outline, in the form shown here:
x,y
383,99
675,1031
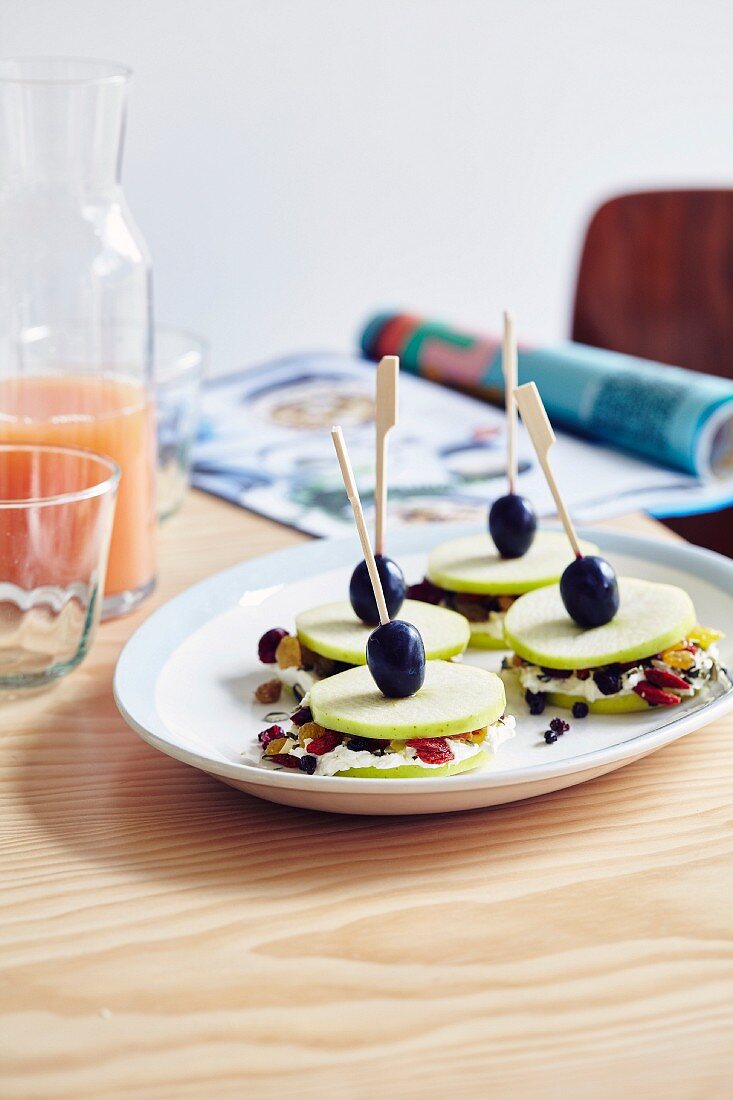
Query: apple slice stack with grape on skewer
x,y
595,642
398,716
332,637
480,576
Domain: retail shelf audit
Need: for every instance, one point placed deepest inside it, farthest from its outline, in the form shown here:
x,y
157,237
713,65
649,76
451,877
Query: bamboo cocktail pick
x,y
512,519
353,494
540,431
588,586
395,652
386,418
509,369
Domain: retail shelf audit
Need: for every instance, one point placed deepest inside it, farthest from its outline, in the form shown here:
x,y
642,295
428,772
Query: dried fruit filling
x,y
662,680
297,666
475,607
316,750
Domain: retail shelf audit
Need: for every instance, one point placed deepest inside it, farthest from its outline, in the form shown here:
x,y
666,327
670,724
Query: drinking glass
x,y
56,511
179,365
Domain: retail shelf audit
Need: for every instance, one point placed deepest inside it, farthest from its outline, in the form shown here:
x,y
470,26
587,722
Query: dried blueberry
x,y
580,710
308,764
557,673
550,737
358,744
535,700
608,680
559,726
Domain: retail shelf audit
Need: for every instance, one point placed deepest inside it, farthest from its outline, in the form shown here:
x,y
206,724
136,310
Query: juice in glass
x,y
112,415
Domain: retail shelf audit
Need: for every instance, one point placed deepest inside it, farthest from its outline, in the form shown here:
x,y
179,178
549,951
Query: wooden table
x,y
164,936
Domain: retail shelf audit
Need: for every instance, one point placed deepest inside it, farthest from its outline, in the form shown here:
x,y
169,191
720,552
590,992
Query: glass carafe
x,y
75,292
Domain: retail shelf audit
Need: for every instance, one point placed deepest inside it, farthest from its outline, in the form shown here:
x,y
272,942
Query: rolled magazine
x,y
675,417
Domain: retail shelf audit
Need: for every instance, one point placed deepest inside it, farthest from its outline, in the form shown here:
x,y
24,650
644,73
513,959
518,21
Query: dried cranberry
x,y
580,710
425,591
286,759
268,644
535,700
559,726
664,679
582,673
608,680
557,673
655,697
308,764
327,741
270,734
301,716
432,750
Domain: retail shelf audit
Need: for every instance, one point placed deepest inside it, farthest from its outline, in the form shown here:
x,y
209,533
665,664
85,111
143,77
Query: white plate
x,y
185,680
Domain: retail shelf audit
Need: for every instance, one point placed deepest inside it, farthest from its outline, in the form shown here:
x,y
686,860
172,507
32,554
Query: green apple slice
x,y
413,771
333,630
483,636
650,618
454,699
473,564
610,704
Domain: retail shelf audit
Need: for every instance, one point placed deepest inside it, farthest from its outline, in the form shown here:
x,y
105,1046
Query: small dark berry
x,y
557,673
268,644
535,700
559,726
580,710
358,744
608,680
550,737
301,716
308,764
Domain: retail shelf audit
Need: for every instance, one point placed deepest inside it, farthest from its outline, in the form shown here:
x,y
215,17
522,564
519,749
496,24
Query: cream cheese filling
x,y
535,679
342,758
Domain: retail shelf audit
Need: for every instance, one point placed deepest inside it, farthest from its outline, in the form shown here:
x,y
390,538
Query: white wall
x,y
295,164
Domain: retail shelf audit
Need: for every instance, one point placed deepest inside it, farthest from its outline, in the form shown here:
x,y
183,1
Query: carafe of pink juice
x,y
75,292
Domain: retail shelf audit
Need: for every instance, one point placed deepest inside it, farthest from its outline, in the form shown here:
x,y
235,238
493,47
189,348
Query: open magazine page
x,y
265,444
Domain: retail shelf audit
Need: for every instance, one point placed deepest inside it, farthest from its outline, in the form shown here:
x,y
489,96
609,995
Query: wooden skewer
x,y
353,494
540,431
387,375
509,369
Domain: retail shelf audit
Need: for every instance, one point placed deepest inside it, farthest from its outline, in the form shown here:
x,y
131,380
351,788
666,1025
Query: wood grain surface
x,y
163,936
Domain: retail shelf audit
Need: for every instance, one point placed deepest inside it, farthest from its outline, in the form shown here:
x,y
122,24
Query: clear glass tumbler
x,y
180,363
56,511
75,292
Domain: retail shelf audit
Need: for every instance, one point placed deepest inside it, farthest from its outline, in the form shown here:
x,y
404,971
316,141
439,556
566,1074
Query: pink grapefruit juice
x,y
110,415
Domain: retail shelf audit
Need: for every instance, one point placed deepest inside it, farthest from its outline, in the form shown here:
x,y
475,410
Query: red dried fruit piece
x,y
327,741
425,591
583,673
655,696
301,716
432,750
268,644
286,760
270,734
664,679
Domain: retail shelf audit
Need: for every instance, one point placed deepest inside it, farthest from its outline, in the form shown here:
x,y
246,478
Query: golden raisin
x,y
309,731
705,636
288,653
276,746
678,658
269,692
